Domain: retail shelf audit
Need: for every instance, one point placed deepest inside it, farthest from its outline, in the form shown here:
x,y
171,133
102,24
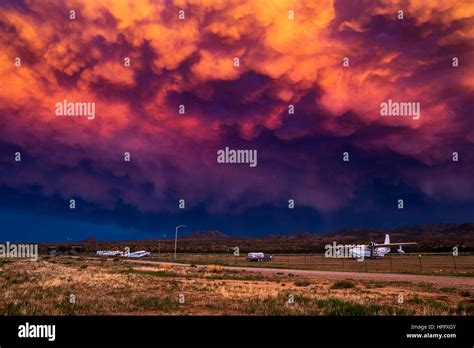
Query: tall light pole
x,y
176,239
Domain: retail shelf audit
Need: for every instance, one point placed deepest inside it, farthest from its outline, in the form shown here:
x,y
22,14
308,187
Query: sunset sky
x,y
190,62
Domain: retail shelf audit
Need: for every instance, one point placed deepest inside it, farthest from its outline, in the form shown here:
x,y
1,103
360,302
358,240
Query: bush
x,y
343,284
302,283
466,308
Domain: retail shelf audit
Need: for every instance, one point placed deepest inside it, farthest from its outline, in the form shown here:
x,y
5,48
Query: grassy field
x,y
437,264
117,287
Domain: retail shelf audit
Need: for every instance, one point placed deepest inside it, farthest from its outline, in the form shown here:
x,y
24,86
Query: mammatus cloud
x,y
282,62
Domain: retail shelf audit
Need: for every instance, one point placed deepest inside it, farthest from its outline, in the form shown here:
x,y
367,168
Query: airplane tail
x,y
387,239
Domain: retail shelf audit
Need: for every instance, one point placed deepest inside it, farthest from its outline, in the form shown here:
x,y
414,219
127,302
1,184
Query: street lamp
x,y
176,239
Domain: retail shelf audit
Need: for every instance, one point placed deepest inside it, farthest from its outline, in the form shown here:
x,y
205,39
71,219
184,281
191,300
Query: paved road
x,y
442,281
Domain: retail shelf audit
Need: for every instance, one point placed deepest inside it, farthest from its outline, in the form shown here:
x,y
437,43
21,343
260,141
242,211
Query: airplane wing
x,y
393,244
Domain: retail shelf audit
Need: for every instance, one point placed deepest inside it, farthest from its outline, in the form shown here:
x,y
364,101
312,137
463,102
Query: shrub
x,y
343,284
466,307
302,283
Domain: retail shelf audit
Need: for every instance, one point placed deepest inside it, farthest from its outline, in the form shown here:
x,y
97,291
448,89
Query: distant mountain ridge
x,y
206,235
439,237
433,229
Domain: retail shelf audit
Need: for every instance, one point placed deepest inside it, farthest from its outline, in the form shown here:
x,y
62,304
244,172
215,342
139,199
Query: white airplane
x,y
109,253
138,254
375,250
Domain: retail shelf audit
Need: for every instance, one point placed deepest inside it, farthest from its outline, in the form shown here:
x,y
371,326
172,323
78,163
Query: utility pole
x,y
176,240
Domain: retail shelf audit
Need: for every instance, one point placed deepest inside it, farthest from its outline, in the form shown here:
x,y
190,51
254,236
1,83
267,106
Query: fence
x,y
406,263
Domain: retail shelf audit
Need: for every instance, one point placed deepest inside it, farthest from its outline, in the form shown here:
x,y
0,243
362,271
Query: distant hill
x,y
430,237
90,240
206,235
424,230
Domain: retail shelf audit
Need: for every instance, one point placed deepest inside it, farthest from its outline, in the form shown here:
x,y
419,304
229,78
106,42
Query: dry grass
x,y
121,288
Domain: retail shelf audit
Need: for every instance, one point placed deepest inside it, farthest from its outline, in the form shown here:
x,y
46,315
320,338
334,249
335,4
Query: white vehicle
x,y
375,250
258,257
109,253
138,254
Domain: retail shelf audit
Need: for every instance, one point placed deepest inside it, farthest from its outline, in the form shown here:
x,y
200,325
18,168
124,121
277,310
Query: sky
x,y
291,54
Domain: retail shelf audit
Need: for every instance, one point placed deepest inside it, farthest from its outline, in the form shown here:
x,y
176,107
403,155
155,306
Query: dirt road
x,y
441,281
